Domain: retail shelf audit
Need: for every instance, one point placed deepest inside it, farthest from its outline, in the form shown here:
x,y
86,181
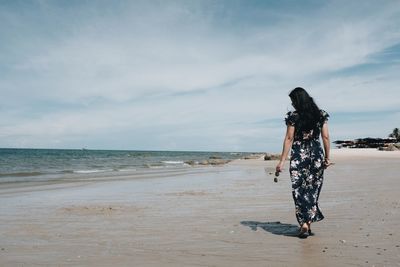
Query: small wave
x,y
172,162
92,171
67,171
156,167
21,174
153,166
127,170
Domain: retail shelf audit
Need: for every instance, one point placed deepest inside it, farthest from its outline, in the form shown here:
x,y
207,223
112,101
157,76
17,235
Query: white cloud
x,y
122,68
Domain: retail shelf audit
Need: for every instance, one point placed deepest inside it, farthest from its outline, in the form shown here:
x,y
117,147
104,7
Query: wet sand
x,y
231,215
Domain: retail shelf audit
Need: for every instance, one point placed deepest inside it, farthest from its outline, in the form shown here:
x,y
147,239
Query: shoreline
x,y
189,166
18,186
230,215
39,165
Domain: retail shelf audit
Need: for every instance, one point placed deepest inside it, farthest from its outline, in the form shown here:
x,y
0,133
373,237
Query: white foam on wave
x,y
127,170
92,171
156,167
172,162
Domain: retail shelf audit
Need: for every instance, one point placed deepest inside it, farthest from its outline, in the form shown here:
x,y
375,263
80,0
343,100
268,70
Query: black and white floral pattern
x,y
306,169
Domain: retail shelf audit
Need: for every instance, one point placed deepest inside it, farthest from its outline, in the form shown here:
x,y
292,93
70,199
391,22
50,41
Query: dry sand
x,y
231,215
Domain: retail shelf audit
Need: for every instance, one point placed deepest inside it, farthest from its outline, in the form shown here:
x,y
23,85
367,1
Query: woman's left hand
x,y
327,163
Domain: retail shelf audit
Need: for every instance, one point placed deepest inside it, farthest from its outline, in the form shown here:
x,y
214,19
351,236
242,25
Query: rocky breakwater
x,y
217,160
254,156
212,160
390,147
269,156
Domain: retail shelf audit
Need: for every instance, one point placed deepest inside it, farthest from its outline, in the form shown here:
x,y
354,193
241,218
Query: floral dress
x,y
306,168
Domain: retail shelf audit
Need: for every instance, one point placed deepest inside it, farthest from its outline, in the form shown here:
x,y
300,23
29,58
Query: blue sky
x,y
193,75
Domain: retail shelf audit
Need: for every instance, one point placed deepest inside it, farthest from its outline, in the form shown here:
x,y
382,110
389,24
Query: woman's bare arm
x,y
287,144
325,139
327,145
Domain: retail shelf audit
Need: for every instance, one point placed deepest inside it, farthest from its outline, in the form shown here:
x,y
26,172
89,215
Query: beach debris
x,y
269,170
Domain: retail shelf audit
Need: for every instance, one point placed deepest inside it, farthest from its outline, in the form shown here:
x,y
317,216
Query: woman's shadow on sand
x,y
276,228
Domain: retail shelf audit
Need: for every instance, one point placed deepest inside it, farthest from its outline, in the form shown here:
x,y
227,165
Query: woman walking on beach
x,y
307,158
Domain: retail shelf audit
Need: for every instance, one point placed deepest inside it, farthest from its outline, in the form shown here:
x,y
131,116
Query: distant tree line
x,y
395,134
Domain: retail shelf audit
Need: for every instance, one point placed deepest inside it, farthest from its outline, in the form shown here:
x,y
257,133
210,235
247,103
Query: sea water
x,y
23,165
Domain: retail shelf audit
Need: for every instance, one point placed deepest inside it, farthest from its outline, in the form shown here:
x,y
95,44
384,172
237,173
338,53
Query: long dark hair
x,y
308,111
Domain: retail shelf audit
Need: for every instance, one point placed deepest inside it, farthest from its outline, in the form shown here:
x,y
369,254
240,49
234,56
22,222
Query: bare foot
x,y
309,229
303,231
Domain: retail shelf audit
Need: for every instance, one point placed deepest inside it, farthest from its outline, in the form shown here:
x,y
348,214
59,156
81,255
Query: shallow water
x,y
24,165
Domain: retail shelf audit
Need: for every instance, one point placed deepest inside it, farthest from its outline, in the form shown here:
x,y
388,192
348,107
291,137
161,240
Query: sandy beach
x,y
230,215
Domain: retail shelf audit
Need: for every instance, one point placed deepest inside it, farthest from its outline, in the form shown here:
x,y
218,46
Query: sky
x,y
193,75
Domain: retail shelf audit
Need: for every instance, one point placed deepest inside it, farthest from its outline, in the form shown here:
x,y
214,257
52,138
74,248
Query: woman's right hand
x,y
279,166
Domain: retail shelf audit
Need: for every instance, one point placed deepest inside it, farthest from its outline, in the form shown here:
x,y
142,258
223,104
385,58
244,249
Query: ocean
x,y
24,165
